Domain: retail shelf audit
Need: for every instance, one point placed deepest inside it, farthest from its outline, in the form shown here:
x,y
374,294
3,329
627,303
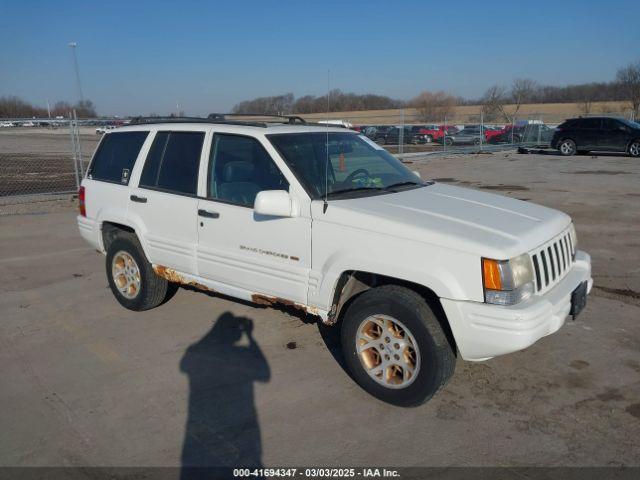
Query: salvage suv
x,y
324,220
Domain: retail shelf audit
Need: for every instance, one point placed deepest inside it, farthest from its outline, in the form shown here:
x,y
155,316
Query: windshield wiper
x,y
357,189
402,184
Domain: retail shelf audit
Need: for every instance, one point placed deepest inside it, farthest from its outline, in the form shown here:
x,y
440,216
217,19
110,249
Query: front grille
x,y
552,261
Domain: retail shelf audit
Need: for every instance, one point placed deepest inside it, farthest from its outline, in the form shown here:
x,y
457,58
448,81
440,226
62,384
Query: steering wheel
x,y
352,175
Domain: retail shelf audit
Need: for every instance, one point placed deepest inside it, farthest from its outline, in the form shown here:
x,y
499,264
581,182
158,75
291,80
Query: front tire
x,y
395,347
448,142
634,149
131,277
567,147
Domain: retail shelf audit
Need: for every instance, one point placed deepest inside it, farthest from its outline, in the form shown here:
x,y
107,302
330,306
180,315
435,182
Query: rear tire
x,y
131,277
567,147
395,347
634,149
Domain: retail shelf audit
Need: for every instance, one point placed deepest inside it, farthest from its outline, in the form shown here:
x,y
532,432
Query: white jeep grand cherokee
x,y
324,220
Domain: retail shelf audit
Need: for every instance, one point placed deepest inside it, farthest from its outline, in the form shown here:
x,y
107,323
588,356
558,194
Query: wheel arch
x,y
631,142
352,283
110,227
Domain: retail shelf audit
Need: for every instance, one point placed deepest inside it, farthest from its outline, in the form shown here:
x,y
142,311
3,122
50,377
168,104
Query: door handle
x,y
208,214
135,198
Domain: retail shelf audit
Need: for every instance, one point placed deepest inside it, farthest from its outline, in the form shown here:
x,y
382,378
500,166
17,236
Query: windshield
x,y
629,123
355,164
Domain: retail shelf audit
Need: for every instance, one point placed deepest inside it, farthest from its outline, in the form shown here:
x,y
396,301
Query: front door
x,y
614,136
239,248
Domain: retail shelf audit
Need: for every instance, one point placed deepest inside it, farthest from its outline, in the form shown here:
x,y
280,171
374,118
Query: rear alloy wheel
x,y
126,274
131,277
395,347
567,147
634,148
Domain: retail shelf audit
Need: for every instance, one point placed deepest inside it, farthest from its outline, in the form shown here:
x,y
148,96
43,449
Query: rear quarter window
x,y
116,156
569,124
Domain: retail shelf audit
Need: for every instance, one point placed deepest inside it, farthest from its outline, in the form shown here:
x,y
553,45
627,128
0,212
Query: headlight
x,y
507,282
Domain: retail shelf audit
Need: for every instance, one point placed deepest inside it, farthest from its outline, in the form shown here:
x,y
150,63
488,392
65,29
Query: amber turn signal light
x,y
491,274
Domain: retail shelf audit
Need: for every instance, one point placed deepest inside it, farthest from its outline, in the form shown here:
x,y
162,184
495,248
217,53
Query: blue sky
x,y
146,56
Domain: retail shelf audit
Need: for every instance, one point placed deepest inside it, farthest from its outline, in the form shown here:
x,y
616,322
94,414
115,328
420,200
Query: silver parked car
x,y
466,136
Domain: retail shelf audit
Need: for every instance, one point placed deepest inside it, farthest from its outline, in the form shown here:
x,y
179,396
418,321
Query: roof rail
x,y
290,118
221,118
152,120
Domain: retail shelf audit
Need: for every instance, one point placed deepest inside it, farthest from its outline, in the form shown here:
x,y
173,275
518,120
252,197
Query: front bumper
x,y
483,331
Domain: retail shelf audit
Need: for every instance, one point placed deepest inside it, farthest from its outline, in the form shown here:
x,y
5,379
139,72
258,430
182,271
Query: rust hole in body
x,y
283,302
171,275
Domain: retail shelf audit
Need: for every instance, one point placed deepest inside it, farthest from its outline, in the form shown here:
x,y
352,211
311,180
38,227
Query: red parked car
x,y
490,133
435,132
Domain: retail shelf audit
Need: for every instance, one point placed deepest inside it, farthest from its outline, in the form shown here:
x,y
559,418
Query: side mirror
x,y
417,173
274,203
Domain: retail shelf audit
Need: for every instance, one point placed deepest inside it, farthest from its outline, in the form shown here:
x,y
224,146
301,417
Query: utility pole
x,y
73,46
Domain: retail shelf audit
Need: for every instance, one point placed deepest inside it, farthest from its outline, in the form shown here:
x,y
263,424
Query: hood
x,y
463,219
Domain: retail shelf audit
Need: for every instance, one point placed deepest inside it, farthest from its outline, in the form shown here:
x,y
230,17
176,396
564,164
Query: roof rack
x,y
291,119
152,120
221,118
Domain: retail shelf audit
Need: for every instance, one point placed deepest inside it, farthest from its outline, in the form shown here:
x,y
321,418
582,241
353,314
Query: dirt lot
x,y
85,382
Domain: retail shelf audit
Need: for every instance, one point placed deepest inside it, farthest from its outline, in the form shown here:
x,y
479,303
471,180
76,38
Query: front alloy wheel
x,y
395,347
634,149
388,351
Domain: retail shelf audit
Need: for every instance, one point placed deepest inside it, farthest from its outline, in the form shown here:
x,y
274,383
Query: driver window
x,y
239,168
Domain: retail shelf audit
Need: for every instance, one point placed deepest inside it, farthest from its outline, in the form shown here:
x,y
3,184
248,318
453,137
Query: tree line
x,y
337,101
498,102
14,107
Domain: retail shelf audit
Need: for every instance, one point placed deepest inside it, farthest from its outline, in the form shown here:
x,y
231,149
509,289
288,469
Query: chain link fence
x,y
42,163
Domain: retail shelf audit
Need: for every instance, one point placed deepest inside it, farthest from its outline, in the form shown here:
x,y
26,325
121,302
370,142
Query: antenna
x,y
326,165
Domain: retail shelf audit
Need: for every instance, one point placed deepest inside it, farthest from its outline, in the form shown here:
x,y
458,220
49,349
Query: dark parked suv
x,y
582,135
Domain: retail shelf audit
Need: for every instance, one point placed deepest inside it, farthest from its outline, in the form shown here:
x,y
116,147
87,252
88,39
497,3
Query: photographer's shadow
x,y
222,427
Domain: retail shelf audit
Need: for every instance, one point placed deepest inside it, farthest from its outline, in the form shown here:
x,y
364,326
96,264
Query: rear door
x,y
164,204
613,136
238,247
587,133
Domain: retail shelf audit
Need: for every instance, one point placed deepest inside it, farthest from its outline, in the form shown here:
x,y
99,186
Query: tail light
x,y
81,204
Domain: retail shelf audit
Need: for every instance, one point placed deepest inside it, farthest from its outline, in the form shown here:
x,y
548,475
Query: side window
x,y
173,162
590,123
610,124
239,168
115,157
